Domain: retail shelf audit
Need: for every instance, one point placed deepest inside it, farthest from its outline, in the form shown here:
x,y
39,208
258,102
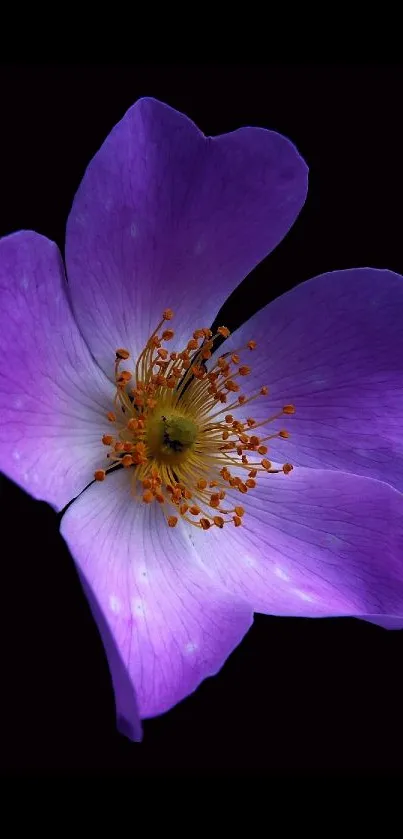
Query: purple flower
x,y
201,519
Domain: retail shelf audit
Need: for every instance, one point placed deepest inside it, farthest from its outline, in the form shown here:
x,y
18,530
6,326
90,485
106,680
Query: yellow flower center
x,y
182,451
169,438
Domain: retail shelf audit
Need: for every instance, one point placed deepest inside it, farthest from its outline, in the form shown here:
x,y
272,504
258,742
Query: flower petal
x,y
171,625
314,543
166,217
128,720
53,397
333,347
386,621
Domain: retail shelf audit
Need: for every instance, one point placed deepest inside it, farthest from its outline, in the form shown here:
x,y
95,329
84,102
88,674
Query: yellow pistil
x,y
175,435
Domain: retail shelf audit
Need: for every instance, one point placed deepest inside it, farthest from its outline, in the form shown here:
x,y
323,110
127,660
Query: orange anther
x,y
127,446
206,353
232,386
159,497
173,356
167,334
241,399
215,500
225,435
252,473
207,332
198,333
146,483
235,358
289,409
287,468
264,390
242,488
172,521
127,460
167,314
192,344
111,416
213,484
107,439
118,447
244,459
100,475
223,331
194,510
183,509
251,345
201,484
283,434
187,493
229,418
171,382
250,483
122,353
218,521
132,424
266,463
205,524
125,375
162,353
237,521
147,496
244,370
240,511
262,449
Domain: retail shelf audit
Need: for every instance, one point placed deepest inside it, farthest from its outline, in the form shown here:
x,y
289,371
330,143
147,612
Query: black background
x,y
296,693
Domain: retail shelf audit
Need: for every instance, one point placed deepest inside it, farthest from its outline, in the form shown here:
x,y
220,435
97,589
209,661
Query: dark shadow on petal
x,y
61,513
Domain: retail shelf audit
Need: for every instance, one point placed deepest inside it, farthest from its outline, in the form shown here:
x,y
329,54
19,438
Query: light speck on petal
x,y
115,604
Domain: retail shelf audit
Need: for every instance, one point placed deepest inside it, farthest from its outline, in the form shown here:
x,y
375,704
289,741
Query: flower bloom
x,y
264,475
